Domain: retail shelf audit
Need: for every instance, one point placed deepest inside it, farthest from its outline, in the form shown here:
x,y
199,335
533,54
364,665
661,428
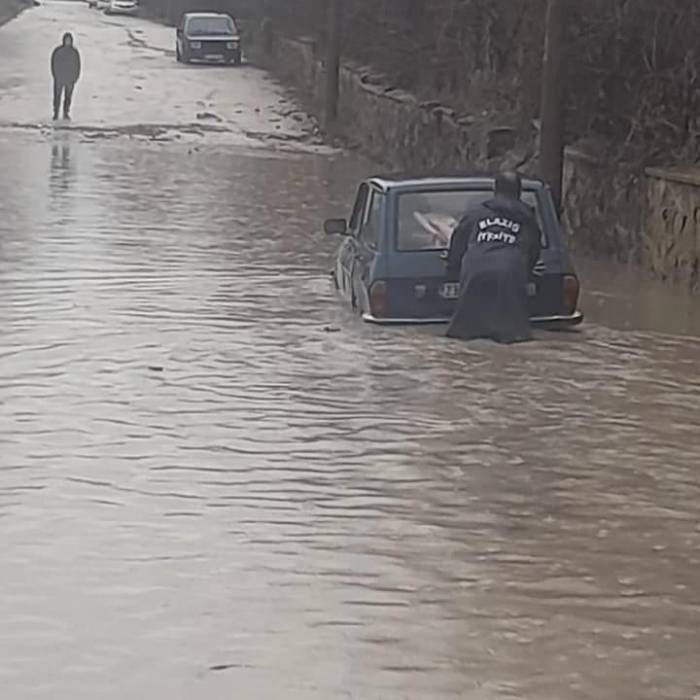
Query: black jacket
x,y
65,65
499,224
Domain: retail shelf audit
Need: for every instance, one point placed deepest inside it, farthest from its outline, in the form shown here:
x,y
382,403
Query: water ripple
x,y
198,485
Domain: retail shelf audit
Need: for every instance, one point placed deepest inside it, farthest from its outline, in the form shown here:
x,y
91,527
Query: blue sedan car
x,y
391,264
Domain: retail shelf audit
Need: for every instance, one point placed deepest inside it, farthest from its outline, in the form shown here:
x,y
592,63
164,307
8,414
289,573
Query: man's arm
x,y
77,65
458,247
53,62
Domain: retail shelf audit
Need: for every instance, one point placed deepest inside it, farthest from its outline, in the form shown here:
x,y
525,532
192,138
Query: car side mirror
x,y
336,227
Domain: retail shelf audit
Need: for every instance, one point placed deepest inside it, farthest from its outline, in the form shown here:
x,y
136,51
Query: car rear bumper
x,y
218,55
122,10
558,322
574,319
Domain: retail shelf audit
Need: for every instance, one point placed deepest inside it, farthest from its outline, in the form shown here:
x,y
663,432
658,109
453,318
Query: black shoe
x,y
55,116
66,116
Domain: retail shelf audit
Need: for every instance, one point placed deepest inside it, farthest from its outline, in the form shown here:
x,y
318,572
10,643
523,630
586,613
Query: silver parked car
x,y
122,7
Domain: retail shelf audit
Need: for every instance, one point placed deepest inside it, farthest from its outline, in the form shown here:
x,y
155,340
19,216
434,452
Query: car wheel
x,y
237,60
178,58
186,58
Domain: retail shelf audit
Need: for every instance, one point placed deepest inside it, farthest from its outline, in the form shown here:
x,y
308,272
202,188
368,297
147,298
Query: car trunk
x,y
415,281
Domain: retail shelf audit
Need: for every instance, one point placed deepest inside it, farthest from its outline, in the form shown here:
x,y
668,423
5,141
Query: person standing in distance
x,y
65,68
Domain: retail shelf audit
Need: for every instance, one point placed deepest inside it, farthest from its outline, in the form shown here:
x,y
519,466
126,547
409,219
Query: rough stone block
x,y
672,224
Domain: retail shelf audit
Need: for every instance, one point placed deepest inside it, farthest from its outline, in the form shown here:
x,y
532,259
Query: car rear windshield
x,y
211,26
427,220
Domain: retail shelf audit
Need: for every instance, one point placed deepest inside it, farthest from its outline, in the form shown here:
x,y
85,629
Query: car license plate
x,y
450,290
213,57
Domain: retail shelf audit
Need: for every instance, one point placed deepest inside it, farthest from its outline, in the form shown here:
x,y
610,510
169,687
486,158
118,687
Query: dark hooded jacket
x,y
65,64
493,253
512,225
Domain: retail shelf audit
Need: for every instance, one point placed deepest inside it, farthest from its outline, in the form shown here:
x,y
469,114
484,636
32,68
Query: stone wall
x,y
391,125
297,62
602,207
672,224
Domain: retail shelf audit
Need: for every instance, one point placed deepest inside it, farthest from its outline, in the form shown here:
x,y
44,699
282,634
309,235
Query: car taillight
x,y
569,292
377,298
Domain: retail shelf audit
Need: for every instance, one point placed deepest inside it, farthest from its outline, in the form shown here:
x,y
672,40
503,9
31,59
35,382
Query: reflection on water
x,y
204,494
60,157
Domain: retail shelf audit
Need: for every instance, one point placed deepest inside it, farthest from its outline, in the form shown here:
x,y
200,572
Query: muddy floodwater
x,y
215,482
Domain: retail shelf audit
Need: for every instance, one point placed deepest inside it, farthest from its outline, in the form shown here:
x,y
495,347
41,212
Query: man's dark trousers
x,y
65,91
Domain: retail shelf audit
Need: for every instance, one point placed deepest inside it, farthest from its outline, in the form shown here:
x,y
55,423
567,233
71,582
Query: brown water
x,y
204,493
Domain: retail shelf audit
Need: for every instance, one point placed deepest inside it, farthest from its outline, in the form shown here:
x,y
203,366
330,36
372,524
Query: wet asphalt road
x,y
132,86
204,493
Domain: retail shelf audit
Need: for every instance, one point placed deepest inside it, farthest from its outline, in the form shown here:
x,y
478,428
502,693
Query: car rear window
x,y
427,220
211,26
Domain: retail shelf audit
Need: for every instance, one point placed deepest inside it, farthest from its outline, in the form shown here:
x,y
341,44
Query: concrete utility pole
x,y
552,112
333,39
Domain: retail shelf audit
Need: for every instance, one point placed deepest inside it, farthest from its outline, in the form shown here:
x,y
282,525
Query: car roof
x,y
407,181
206,15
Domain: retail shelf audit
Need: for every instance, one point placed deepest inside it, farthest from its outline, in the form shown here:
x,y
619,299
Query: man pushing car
x,y
493,254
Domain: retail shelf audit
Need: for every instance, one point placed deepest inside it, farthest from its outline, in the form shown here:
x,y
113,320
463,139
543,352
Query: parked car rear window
x,y
211,26
426,220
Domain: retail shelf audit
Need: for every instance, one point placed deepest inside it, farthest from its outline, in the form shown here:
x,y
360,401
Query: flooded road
x,y
216,483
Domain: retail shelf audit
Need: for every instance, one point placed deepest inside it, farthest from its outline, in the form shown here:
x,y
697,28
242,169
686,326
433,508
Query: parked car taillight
x,y
377,298
570,290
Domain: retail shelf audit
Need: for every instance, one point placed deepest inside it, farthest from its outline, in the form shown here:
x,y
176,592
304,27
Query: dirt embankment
x,y
9,9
